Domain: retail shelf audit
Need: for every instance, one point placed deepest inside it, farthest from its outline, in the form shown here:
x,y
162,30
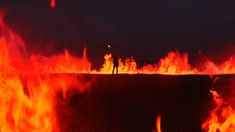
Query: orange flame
x,y
221,118
63,63
127,66
173,63
158,124
21,111
28,102
226,67
14,58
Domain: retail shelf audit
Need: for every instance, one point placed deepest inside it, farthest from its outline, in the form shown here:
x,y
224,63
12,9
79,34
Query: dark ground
x,y
131,103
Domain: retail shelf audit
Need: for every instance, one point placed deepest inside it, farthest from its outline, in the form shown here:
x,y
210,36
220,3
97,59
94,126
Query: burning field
x,y
63,93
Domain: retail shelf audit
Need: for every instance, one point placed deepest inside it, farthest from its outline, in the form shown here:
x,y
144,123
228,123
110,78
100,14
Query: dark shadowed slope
x,y
131,103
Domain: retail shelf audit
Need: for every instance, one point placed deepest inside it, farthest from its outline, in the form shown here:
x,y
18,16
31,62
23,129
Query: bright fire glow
x,y
52,3
127,66
14,58
27,102
175,63
158,124
221,118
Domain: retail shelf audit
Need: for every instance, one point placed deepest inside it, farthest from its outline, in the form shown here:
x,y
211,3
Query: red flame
x,y
221,118
27,102
16,59
127,66
175,63
52,3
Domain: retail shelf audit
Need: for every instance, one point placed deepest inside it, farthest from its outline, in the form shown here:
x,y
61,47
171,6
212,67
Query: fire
x,y
26,111
226,67
127,66
27,87
158,124
52,3
28,101
173,63
62,63
14,58
221,118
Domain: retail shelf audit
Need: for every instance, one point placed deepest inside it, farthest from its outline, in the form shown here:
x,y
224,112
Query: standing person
x,y
115,63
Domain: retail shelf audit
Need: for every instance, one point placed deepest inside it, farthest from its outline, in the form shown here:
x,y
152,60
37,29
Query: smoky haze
x,y
145,29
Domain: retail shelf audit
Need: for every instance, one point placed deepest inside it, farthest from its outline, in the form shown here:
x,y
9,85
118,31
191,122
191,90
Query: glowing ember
x,y
221,118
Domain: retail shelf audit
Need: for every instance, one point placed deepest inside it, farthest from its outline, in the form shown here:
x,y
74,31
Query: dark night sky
x,y
146,29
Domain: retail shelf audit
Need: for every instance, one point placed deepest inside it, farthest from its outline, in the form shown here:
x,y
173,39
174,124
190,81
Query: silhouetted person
x,y
115,64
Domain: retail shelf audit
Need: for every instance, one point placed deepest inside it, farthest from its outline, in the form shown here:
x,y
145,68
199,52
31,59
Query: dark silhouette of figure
x,y
115,64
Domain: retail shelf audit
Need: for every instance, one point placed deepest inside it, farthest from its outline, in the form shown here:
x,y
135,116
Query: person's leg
x,y
113,69
116,69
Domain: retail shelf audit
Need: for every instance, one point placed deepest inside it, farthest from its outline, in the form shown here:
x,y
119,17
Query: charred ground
x,y
131,103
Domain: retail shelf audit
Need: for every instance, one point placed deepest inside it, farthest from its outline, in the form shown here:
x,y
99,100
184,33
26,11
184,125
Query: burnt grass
x,y
131,103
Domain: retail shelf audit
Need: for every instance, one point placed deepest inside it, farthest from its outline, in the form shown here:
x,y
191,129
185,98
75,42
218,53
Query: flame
x,y
28,89
175,63
14,58
21,111
221,118
28,101
127,66
62,63
158,124
226,67
52,3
